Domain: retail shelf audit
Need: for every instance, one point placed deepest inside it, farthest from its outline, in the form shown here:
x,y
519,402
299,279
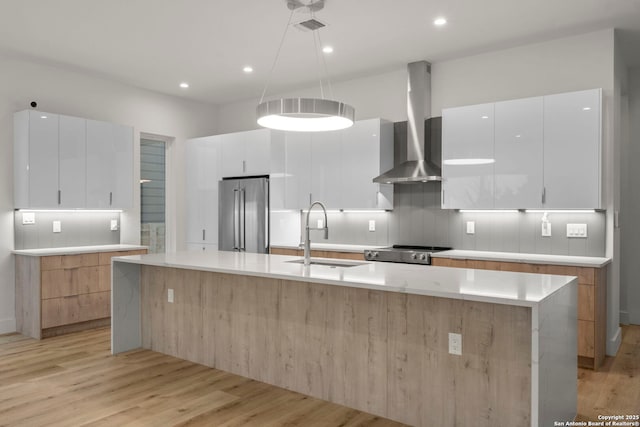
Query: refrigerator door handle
x,y
236,218
243,236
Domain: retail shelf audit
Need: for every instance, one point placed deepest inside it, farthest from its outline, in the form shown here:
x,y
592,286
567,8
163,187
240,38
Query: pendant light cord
x,y
275,60
324,62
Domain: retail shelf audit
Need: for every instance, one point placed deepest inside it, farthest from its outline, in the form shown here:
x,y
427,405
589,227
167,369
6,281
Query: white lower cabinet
x,y
541,152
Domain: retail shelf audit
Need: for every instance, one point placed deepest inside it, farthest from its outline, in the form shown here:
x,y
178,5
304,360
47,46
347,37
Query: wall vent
x,y
309,25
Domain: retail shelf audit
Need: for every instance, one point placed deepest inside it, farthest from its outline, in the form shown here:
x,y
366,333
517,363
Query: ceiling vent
x,y
309,25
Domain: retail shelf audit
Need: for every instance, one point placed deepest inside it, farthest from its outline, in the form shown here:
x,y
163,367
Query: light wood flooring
x,y
73,380
615,388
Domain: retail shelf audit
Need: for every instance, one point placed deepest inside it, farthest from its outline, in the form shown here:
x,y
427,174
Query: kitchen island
x,y
374,336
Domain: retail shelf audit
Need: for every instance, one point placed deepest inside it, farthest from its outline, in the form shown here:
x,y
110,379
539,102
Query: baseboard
x,y
624,317
614,343
7,326
634,317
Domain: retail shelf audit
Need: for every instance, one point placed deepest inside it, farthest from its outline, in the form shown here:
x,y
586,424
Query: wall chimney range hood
x,y
418,167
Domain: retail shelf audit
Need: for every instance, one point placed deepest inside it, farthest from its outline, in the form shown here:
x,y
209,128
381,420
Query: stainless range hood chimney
x,y
418,167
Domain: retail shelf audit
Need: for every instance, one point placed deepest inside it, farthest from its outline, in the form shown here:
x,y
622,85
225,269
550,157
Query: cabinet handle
x,y
59,197
443,199
110,198
244,166
544,195
310,198
203,233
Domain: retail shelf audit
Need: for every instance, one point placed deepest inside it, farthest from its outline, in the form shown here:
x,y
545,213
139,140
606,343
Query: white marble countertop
x,y
337,247
77,250
499,287
575,261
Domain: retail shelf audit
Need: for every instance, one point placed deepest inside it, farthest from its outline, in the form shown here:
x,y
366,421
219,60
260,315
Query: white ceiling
x,y
156,44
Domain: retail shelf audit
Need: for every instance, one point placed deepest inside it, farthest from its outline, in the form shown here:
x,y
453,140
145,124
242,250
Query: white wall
x,y
630,211
69,92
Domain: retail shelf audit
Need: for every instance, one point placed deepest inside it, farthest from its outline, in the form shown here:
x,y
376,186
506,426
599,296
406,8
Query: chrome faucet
x,y
307,239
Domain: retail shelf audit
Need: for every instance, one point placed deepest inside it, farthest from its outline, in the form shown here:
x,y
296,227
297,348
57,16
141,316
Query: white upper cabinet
x,y
518,153
337,168
367,151
546,153
109,165
245,153
202,157
297,182
326,176
468,157
278,171
122,180
36,159
72,162
572,150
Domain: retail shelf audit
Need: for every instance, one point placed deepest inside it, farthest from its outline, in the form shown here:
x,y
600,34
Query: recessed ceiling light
x,y
184,85
439,22
43,117
248,69
484,117
327,49
587,108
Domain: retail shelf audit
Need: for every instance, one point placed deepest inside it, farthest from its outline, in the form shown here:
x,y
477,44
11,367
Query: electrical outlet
x,y
114,225
28,218
320,223
170,295
57,226
455,344
372,225
546,229
471,227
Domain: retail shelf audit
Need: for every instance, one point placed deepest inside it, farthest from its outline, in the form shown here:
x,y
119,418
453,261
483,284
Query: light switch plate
x,y
372,225
28,218
57,226
170,295
577,230
471,227
114,225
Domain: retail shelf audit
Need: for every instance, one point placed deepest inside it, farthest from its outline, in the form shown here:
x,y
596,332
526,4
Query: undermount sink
x,y
329,263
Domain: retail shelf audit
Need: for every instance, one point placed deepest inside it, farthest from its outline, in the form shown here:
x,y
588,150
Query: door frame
x,y
170,188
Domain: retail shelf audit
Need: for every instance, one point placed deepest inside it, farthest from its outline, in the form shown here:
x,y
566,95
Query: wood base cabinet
x,y
64,293
319,254
592,300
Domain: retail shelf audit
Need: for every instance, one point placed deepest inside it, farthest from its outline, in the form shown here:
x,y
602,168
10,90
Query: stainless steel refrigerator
x,y
243,221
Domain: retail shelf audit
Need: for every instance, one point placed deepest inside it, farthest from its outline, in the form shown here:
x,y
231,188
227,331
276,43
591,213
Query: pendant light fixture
x,y
304,114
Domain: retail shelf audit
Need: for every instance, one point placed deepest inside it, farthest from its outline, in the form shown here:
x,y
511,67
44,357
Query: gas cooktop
x,y
408,254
